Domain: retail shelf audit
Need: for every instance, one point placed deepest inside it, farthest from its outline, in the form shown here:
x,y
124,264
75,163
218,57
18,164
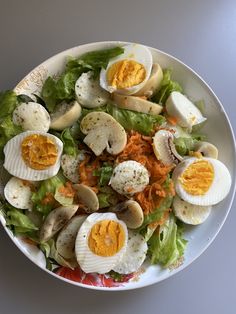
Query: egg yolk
x,y
198,177
38,151
106,238
126,73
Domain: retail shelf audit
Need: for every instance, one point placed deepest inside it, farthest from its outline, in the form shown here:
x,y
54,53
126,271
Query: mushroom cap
x,y
137,104
207,149
103,132
87,197
65,116
154,82
130,212
164,148
56,220
66,238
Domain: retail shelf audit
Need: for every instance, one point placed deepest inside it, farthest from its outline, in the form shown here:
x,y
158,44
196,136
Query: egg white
x,y
32,116
128,175
16,166
18,194
89,92
136,52
189,213
180,107
218,190
134,256
70,164
88,261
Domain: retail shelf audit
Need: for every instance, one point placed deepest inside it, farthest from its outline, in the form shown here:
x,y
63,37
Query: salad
x,y
107,164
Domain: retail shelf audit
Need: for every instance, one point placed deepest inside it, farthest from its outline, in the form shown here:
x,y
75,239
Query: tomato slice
x,y
92,279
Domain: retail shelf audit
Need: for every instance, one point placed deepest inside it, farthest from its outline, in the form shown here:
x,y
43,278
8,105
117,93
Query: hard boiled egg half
x,y
202,181
183,110
127,73
101,242
33,155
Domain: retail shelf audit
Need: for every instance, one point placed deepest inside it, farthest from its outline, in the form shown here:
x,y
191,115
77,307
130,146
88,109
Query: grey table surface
x,y
202,34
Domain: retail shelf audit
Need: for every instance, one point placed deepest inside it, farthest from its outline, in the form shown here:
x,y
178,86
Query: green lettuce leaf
x,y
8,129
157,214
130,120
167,246
69,145
66,86
55,91
103,199
137,121
46,187
53,257
104,173
167,86
184,145
62,199
49,94
19,222
94,60
107,197
8,102
198,136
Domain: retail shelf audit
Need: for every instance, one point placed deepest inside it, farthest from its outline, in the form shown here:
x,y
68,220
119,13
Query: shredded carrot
x,y
30,185
139,148
86,170
89,165
67,190
172,120
163,219
48,199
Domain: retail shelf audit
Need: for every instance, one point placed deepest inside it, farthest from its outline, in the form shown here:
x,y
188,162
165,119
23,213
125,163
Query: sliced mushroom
x,y
70,263
56,220
66,238
154,82
164,148
35,217
66,115
136,104
103,132
206,149
54,253
87,197
130,212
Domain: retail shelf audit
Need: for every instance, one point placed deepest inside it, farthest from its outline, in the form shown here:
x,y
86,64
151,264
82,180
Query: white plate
x,y
218,130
